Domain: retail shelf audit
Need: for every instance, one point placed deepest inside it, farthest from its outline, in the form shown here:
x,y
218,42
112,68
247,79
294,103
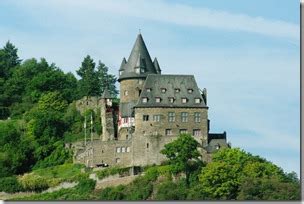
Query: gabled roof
x,y
153,89
139,58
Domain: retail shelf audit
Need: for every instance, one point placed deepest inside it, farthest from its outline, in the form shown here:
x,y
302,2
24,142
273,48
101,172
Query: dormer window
x,y
137,70
145,100
142,70
197,100
190,90
177,90
163,90
184,100
120,72
157,99
171,100
148,90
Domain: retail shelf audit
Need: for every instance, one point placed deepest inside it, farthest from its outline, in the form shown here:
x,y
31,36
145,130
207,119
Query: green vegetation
x,y
111,171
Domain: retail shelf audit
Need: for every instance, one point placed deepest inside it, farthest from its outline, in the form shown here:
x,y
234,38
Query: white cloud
x,y
159,10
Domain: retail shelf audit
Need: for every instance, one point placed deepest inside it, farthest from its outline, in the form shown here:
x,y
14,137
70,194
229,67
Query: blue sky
x,y
246,53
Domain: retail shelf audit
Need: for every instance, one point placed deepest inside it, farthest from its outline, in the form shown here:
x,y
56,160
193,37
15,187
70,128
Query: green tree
x,y
106,80
8,59
231,173
88,84
182,154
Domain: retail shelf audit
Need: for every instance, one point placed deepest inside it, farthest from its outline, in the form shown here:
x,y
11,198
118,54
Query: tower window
x,y
197,100
147,145
142,70
184,117
177,90
163,90
126,93
171,117
145,100
197,117
120,72
137,70
145,117
139,92
157,99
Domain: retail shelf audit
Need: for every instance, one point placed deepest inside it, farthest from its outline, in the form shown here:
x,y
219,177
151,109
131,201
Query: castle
x,y
154,110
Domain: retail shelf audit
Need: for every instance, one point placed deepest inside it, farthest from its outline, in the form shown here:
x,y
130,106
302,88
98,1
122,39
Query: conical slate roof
x,y
140,60
156,65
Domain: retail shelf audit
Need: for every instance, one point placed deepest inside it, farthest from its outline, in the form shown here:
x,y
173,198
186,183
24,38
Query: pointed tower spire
x,y
139,58
156,65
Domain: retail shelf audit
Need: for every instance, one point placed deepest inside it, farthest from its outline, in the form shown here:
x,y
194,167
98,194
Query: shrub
x,y
33,182
86,185
111,171
172,191
115,193
10,185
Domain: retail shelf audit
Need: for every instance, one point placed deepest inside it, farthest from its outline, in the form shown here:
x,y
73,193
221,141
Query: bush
x,y
115,193
86,185
111,171
140,189
10,185
172,191
32,182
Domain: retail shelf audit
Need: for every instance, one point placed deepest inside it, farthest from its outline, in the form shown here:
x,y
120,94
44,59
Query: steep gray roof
x,y
106,94
155,83
139,58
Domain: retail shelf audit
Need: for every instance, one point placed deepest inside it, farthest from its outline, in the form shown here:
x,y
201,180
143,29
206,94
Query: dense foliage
x,y
37,110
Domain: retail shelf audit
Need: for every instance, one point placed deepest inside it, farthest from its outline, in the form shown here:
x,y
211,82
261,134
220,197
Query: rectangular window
x,y
197,132
145,117
171,99
125,120
118,149
117,160
197,117
137,70
197,100
123,149
183,131
168,132
184,117
148,90
184,100
128,149
157,100
156,118
171,117
144,100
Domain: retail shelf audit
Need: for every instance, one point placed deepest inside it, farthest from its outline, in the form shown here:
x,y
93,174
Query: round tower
x,y
132,75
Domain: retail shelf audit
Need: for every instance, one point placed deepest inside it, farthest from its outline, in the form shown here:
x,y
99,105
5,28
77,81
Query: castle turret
x,y
132,74
108,130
